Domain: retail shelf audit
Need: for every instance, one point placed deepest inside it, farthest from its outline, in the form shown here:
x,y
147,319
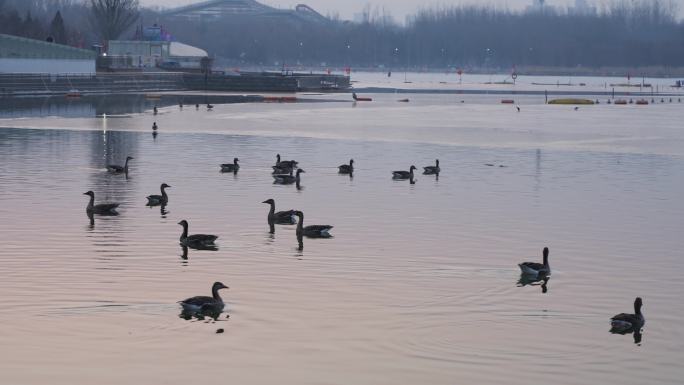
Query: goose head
x,y
437,162
164,185
218,286
269,202
412,168
183,223
129,158
299,214
89,193
637,305
236,160
351,162
300,171
277,158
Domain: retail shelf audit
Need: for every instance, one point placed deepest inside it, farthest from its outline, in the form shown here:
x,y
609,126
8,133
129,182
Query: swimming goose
x,y
432,170
347,168
288,179
313,231
209,106
156,200
154,126
285,163
203,303
280,217
231,167
102,209
534,268
277,170
626,323
196,241
115,169
403,174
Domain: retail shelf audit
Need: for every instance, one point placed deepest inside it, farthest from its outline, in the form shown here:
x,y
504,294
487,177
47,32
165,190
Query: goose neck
x,y
215,294
300,223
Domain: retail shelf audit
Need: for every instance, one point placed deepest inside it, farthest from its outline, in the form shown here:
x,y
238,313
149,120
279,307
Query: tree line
x,y
73,22
634,33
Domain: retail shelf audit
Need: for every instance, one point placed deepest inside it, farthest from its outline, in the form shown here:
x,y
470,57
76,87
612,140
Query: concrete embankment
x,y
28,84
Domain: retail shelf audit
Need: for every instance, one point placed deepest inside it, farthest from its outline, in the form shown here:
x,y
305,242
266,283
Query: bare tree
x,y
111,18
57,30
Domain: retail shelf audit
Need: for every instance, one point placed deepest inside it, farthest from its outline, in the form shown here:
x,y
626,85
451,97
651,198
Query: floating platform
x,y
572,101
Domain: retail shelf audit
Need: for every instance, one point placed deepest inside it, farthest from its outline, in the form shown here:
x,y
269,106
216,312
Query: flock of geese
x,y
284,173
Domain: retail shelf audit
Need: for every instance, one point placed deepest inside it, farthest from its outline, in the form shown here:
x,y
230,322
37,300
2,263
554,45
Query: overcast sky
x,y
347,8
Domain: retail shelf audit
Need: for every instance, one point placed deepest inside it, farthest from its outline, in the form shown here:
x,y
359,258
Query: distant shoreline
x,y
617,72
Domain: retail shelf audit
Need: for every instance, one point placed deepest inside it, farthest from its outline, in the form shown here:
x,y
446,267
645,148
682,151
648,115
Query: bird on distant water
x,y
210,106
231,167
277,170
280,217
206,304
627,323
288,179
534,268
116,169
102,209
347,168
154,126
196,241
156,200
402,175
285,163
432,170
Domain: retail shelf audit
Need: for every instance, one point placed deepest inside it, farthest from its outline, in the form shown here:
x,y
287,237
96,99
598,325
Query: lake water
x,y
420,283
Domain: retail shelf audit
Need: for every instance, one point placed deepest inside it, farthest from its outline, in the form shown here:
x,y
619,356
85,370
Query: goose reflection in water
x,y
535,280
163,211
91,218
205,314
635,332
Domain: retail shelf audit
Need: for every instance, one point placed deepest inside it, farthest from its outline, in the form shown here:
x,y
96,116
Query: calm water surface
x,y
420,282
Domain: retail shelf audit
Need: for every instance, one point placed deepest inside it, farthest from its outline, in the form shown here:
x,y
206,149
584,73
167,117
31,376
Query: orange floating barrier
x,y
360,99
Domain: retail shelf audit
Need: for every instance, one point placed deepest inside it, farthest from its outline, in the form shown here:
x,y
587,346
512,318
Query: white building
x,y
156,54
28,56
